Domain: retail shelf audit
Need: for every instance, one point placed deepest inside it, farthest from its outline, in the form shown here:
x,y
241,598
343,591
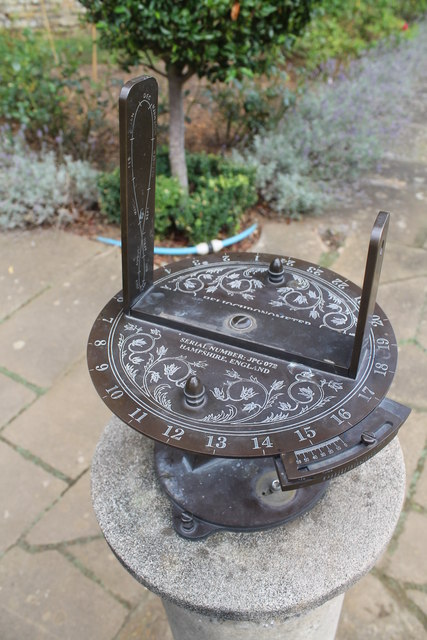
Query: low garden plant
x,y
336,130
341,30
220,191
33,85
35,188
244,107
48,92
297,148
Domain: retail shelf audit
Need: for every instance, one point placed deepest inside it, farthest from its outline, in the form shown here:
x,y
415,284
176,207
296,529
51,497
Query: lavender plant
x,y
35,188
337,130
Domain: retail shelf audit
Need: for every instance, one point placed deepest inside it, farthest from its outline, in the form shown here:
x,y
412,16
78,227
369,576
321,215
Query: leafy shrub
x,y
343,29
337,130
35,188
246,106
109,194
216,205
411,9
32,86
221,191
168,198
54,101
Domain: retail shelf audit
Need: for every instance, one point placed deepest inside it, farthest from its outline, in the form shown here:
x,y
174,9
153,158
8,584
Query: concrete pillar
x,y
287,582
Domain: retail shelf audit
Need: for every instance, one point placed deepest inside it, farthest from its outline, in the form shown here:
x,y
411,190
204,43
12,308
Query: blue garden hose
x,y
201,249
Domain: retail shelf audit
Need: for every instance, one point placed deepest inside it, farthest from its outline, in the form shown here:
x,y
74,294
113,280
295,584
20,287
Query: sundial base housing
x,y
261,377
236,494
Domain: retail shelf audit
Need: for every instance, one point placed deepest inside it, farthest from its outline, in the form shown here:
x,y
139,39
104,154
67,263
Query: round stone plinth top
x,y
267,575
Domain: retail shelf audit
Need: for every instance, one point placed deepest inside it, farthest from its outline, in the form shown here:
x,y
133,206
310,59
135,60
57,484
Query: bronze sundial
x,y
260,377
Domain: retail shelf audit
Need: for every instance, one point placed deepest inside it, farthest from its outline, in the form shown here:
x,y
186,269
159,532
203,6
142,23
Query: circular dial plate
x,y
255,404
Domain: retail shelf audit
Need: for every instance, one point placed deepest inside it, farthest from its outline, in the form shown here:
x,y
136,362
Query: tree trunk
x,y
177,128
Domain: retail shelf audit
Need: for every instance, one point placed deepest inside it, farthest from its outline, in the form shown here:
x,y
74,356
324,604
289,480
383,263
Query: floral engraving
x,y
279,401
234,398
318,302
240,281
146,363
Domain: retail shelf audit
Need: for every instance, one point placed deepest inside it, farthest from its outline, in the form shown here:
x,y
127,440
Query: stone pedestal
x,y
282,583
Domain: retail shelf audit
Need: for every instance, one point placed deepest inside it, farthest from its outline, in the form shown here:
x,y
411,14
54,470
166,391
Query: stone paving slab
x,y
421,334
69,519
419,598
412,438
305,236
403,302
97,556
400,262
408,563
58,321
26,490
408,386
64,437
32,260
14,397
420,496
371,613
49,598
148,619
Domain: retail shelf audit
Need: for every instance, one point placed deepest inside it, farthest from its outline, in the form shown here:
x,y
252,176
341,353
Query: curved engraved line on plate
x,y
237,433
317,306
159,394
270,399
182,421
142,228
204,280
315,279
174,276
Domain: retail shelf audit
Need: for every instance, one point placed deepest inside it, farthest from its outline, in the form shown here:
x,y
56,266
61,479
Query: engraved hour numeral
x,y
377,322
114,392
137,417
100,343
383,343
175,433
340,283
109,320
102,367
315,271
381,368
342,416
266,443
366,393
309,433
218,442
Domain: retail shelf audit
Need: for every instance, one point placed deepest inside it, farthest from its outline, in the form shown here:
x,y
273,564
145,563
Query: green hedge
x,y
220,191
343,29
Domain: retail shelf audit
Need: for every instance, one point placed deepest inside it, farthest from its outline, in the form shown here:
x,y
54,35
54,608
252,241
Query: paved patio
x,y
58,578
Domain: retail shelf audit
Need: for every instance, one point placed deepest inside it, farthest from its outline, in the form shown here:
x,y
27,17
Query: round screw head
x,y
241,322
194,391
368,438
